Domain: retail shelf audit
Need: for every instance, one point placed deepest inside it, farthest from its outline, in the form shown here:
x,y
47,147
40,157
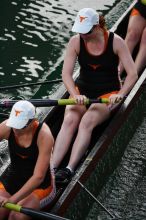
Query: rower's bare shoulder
x,y
45,136
4,130
74,42
74,39
118,43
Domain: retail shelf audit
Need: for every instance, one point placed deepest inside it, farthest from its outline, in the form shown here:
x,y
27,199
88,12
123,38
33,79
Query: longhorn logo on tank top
x,y
23,157
94,66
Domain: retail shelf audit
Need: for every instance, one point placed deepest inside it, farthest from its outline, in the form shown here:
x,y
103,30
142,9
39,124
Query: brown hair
x,y
102,22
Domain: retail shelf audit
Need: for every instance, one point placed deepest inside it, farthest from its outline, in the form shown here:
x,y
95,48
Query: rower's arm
x,y
4,131
69,63
121,49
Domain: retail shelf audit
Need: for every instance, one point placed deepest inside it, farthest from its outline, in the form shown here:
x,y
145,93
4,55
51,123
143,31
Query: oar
x,y
32,213
3,115
49,102
95,199
30,84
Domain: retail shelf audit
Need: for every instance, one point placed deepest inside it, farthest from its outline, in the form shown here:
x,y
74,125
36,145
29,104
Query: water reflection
x,y
33,36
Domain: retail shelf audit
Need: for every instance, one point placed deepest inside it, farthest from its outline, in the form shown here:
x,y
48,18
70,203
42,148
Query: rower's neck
x,y
99,36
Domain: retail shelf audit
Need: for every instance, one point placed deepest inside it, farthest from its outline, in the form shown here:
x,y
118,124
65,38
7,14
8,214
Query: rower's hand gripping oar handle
x,y
32,212
86,102
12,206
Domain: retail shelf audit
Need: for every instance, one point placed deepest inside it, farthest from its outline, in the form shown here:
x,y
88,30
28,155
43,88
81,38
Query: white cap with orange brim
x,y
85,20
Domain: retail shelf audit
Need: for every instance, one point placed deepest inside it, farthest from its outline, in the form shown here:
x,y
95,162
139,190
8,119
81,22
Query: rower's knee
x,y
95,116
133,36
71,120
87,123
17,216
3,213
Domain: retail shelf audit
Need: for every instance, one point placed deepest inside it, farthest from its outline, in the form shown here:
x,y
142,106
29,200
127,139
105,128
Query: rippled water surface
x,y
125,192
33,36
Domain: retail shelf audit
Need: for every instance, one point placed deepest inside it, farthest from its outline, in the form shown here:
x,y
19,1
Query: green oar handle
x,y
67,102
11,206
87,101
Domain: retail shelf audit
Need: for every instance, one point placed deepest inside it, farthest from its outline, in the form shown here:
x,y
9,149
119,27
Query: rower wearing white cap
x,y
98,52
29,179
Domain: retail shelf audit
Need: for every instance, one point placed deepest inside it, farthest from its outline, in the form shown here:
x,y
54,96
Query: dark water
x,y
33,37
125,192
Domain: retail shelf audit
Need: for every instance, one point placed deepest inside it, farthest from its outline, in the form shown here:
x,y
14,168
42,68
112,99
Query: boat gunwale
x,y
115,26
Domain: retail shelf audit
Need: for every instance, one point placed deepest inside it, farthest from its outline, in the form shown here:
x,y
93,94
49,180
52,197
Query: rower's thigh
x,y
73,114
4,193
4,212
143,39
31,201
18,216
96,114
136,26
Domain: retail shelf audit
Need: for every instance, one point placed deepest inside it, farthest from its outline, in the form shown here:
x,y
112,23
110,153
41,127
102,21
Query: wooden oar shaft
x,y
3,115
50,102
33,213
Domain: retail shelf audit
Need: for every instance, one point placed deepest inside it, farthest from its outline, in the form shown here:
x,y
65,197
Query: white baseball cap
x,y
85,20
21,113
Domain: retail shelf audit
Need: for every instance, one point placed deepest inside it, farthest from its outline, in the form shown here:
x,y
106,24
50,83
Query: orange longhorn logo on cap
x,y
17,112
82,18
